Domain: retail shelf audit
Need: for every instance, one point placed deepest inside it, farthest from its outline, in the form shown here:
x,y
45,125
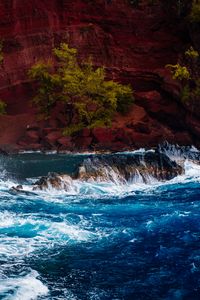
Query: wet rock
x,y
17,188
180,152
3,152
20,190
53,181
126,168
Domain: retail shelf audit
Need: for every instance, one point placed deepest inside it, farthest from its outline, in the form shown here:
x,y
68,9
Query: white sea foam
x,y
27,287
191,169
191,174
29,233
178,153
137,151
29,151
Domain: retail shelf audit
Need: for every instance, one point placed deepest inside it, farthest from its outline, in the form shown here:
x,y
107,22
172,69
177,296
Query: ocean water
x,y
100,240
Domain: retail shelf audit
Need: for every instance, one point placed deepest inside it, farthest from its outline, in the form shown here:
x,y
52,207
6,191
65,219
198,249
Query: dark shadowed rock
x,y
3,152
124,168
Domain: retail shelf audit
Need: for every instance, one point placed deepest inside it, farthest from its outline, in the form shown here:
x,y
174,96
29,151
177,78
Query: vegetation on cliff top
x,y
187,71
90,100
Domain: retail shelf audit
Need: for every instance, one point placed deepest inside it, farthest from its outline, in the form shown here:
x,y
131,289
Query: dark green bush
x,y
92,98
187,72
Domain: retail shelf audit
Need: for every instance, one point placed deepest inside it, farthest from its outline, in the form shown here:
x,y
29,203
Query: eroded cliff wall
x,y
133,43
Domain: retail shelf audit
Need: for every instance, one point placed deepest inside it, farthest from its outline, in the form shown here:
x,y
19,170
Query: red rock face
x,y
134,44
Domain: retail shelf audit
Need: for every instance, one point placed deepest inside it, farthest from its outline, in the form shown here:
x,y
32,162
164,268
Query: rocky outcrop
x,y
139,167
53,181
180,154
123,168
133,43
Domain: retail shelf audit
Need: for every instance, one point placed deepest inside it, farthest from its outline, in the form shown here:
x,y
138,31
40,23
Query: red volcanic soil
x,y
134,45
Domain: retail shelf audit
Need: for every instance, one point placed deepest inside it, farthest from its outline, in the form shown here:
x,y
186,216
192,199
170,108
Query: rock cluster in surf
x,y
55,181
125,167
116,168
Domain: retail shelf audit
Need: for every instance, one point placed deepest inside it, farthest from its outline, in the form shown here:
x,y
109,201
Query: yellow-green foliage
x,y
192,53
179,72
194,15
2,108
188,74
46,95
94,99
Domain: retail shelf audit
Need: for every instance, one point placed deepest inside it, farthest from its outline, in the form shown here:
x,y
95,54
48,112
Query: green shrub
x,y
48,84
82,87
192,53
187,71
179,72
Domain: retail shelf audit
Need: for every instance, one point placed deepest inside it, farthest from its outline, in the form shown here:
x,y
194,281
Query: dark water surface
x,y
100,240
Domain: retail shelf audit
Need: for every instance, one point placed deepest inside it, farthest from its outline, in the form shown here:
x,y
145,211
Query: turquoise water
x,y
99,240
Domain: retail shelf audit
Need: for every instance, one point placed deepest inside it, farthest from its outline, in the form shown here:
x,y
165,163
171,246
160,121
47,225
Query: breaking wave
x,y
26,287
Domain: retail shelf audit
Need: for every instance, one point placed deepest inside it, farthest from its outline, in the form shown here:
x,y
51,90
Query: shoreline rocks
x,y
125,167
53,181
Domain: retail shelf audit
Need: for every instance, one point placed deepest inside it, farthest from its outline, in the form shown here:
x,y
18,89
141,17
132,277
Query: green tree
x,y
48,84
83,88
187,72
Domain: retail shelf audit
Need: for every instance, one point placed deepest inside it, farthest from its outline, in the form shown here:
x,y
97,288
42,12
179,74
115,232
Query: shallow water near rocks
x,y
100,240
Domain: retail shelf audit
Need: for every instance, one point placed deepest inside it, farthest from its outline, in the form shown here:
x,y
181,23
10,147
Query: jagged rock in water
x,y
123,168
180,153
55,181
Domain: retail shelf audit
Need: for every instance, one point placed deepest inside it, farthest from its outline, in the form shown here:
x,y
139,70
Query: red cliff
x,y
133,43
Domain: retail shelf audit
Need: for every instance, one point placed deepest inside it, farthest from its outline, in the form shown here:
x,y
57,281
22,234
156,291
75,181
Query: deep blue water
x,y
101,240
